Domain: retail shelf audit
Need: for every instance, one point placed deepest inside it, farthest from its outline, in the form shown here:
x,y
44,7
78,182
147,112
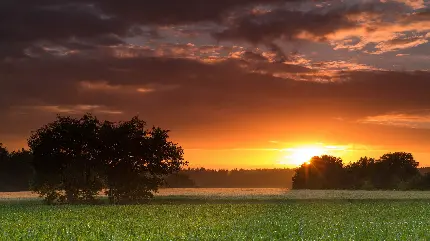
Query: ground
x,y
226,214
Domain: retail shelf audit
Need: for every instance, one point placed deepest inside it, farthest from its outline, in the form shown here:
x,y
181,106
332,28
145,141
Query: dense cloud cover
x,y
337,66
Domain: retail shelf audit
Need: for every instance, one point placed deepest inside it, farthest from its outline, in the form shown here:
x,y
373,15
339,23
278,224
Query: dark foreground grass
x,y
221,219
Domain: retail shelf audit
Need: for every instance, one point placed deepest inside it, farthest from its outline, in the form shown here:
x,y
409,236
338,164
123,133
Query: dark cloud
x,y
31,25
176,12
36,24
283,23
253,57
25,23
290,24
83,24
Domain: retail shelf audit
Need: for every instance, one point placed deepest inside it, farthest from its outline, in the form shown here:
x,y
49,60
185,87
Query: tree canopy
x,y
136,160
75,158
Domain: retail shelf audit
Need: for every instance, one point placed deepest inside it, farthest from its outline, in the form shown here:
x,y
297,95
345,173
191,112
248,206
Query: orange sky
x,y
275,143
260,150
277,158
243,144
241,84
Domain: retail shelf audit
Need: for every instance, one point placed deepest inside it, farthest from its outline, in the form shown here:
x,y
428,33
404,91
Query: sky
x,y
240,83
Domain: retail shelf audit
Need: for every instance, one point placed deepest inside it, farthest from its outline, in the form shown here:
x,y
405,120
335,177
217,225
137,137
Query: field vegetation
x,y
213,215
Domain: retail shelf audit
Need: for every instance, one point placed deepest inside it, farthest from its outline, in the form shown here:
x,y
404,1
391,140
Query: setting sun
x,y
301,155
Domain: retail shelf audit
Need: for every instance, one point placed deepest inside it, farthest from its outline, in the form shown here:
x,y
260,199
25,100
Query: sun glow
x,y
304,154
299,155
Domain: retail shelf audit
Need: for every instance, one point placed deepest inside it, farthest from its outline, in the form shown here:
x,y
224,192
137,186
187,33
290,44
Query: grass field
x,y
187,214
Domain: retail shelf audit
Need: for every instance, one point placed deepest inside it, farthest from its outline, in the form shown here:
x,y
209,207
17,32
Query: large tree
x,y
137,160
65,159
74,159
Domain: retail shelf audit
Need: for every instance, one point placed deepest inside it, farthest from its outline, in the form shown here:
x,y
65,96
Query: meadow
x,y
226,214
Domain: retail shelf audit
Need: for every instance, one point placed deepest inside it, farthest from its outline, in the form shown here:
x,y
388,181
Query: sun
x,y
301,155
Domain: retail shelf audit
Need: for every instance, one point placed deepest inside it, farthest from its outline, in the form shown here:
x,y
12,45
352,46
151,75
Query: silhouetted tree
x,y
18,170
65,160
137,160
361,174
324,172
15,170
395,168
75,158
4,154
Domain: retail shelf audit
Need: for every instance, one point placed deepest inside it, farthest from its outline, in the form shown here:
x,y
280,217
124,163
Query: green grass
x,y
204,218
284,194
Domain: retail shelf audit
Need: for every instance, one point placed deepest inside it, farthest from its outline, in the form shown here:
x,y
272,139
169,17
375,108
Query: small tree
x,y
137,160
65,160
4,154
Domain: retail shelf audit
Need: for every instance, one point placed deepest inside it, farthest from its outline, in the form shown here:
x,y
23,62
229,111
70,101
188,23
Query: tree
x,y
394,168
65,160
16,171
137,160
324,172
75,158
362,173
4,154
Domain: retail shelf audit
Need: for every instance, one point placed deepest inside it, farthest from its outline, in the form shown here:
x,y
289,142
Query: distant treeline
x,y
16,173
392,171
397,170
15,170
208,178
